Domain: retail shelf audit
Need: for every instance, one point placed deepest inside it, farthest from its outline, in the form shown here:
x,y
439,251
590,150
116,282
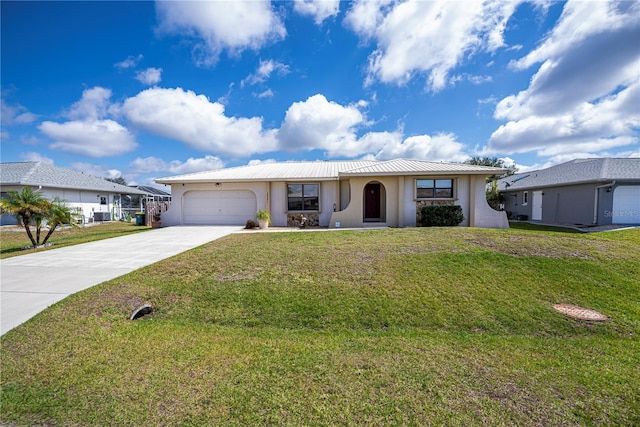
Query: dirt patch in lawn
x,y
580,312
531,245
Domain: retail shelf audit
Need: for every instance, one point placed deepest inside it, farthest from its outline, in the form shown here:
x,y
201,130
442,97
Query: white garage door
x,y
626,205
218,207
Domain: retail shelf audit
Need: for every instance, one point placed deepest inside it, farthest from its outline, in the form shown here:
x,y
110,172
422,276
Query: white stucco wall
x,y
481,214
352,215
278,203
174,215
269,195
399,208
400,203
88,201
462,193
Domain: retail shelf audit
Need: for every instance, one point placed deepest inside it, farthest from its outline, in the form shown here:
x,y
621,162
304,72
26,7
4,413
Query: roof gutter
x,y
595,204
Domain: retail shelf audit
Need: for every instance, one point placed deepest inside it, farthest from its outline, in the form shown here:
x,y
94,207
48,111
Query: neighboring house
x,y
94,198
332,194
153,195
580,192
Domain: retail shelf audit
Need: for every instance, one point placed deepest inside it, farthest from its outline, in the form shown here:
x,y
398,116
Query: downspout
x,y
595,204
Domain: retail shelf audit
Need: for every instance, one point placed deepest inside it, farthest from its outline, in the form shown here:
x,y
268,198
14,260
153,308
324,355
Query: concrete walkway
x,y
30,283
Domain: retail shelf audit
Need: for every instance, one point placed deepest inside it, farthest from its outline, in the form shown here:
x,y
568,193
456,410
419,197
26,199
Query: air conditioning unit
x,y
102,216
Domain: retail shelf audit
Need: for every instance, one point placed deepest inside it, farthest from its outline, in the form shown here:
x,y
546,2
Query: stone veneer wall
x,y
293,220
421,203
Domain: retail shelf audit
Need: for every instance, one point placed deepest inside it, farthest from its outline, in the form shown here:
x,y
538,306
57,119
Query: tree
x,y
30,207
494,197
59,214
119,180
493,162
26,206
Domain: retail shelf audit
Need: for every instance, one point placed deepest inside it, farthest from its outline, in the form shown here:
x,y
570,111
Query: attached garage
x,y
218,207
626,205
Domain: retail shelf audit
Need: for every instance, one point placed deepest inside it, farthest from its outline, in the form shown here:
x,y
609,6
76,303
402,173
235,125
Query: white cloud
x,y
264,71
476,80
15,114
261,162
35,157
93,105
217,26
96,138
427,37
89,132
198,122
150,76
320,124
191,165
99,171
318,9
580,21
265,94
442,147
325,125
365,17
585,96
130,62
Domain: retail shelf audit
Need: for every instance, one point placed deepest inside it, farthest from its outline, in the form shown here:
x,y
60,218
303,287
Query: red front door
x,y
372,201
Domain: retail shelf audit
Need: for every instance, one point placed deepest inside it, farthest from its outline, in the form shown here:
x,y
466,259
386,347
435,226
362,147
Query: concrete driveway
x,y
30,283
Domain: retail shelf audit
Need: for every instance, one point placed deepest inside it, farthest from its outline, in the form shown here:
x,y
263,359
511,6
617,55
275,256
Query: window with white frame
x,y
303,197
525,198
434,188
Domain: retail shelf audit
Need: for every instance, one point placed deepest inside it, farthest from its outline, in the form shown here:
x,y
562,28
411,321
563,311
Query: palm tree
x,y
26,206
59,214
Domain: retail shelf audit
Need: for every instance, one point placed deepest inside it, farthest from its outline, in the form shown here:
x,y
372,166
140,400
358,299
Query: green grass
x,y
14,240
449,326
517,225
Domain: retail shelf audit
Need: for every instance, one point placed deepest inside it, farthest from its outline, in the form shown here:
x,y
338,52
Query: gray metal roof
x,y
47,175
328,170
579,171
151,190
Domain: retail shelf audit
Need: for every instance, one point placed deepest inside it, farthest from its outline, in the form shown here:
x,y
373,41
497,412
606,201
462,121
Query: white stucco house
x,y
95,199
334,194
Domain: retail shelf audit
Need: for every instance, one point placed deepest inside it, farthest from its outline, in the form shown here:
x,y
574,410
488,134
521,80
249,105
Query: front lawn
x,y
417,326
14,240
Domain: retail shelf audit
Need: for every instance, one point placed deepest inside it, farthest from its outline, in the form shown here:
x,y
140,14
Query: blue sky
x,y
143,90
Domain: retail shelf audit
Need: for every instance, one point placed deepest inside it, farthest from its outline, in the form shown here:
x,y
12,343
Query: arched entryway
x,y
374,202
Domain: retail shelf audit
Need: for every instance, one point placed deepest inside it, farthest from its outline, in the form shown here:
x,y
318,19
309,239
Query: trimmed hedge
x,y
441,216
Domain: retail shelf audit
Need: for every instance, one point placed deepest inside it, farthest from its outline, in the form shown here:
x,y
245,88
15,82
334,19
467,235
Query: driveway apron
x,y
30,283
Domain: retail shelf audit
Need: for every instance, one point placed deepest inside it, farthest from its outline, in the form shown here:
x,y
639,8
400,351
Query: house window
x,y
434,188
525,198
103,200
303,197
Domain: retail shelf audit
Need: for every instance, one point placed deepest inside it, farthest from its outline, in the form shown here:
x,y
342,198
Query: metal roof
x,y
420,167
151,190
47,175
328,170
579,171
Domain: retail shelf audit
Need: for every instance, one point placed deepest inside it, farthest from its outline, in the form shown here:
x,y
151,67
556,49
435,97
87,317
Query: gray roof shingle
x,y
47,175
578,171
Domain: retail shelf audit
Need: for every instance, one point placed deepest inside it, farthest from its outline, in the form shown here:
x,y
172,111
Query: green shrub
x,y
441,216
